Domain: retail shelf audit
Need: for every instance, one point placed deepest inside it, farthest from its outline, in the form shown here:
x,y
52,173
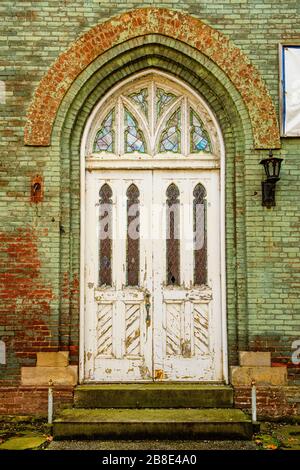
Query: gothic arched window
x,y
152,115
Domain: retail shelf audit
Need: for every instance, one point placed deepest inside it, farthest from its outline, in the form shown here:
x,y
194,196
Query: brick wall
x,y
39,243
33,401
272,402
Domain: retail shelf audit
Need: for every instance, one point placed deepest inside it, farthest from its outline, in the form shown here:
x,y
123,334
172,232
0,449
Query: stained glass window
x,y
199,137
134,138
170,138
163,99
104,140
105,235
141,99
200,238
154,118
173,235
133,236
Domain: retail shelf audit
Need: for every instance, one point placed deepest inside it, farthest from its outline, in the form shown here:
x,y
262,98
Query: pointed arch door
x,y
152,237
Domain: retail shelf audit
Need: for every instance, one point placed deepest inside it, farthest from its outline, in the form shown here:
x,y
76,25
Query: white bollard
x,y
50,402
253,401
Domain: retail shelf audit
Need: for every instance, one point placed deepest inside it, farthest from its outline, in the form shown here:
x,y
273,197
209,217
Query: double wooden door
x,y
152,276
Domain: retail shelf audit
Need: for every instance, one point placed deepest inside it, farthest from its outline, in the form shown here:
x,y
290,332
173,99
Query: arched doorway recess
x,y
153,151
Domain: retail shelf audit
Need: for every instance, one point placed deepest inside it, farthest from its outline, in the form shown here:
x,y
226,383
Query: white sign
x,y
2,353
2,92
290,91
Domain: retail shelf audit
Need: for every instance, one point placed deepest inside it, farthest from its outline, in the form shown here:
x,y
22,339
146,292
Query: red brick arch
x,y
143,21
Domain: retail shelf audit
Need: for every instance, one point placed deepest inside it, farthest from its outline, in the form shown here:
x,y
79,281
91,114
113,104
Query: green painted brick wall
x,y
40,242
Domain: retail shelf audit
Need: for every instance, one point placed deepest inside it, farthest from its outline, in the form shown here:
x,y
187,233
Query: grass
x,y
24,432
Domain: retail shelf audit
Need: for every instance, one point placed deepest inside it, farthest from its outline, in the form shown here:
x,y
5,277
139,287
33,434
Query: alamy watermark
x,y
156,223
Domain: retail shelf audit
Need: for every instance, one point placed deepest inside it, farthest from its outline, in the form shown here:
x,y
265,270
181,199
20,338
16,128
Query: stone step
x,y
152,424
153,396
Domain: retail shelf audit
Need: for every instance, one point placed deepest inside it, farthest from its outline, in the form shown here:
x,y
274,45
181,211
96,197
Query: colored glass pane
x,y
163,99
134,137
133,235
104,140
105,235
173,235
199,137
170,137
141,99
200,236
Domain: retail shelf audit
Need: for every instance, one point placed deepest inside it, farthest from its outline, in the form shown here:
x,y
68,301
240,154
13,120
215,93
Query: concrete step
x,y
153,396
152,424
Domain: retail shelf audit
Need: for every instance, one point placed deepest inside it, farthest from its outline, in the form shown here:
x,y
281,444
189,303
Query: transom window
x,y
153,115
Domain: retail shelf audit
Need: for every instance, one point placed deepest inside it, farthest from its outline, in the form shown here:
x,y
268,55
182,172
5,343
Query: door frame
x,y
131,164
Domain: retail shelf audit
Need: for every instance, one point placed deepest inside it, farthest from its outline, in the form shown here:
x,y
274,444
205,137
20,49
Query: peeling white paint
x,y
185,333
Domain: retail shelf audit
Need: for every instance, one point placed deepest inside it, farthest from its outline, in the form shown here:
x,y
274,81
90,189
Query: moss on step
x,y
152,415
30,441
152,423
153,396
154,386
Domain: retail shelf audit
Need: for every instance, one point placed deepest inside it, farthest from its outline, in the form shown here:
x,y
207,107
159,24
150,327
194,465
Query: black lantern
x,y
272,168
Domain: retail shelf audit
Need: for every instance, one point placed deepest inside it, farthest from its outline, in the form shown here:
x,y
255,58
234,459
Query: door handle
x,y
147,306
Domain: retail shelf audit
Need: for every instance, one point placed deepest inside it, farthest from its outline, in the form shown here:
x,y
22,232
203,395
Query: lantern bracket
x,y
272,167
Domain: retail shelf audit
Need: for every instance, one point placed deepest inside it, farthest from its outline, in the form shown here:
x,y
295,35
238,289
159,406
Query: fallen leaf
x,y
271,446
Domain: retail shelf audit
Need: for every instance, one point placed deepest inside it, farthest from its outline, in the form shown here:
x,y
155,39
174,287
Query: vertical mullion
x,y
115,312
145,235
120,127
190,263
159,269
152,109
122,220
184,127
120,266
186,246
187,264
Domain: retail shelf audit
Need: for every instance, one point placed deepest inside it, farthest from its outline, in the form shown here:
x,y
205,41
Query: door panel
x,y
187,336
118,338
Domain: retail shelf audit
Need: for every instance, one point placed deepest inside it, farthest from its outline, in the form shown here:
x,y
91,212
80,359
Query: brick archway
x,y
140,22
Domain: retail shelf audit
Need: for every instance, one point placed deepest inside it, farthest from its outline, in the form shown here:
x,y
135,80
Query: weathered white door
x,y
152,222
153,276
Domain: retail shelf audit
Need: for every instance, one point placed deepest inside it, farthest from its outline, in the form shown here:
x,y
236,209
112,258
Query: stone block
x,y
262,375
255,359
40,376
52,359
153,396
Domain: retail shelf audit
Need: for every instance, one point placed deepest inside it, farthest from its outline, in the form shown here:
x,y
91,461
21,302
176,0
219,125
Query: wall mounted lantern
x,y
272,169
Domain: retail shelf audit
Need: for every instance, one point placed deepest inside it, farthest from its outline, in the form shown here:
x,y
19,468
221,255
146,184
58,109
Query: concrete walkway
x,y
152,445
